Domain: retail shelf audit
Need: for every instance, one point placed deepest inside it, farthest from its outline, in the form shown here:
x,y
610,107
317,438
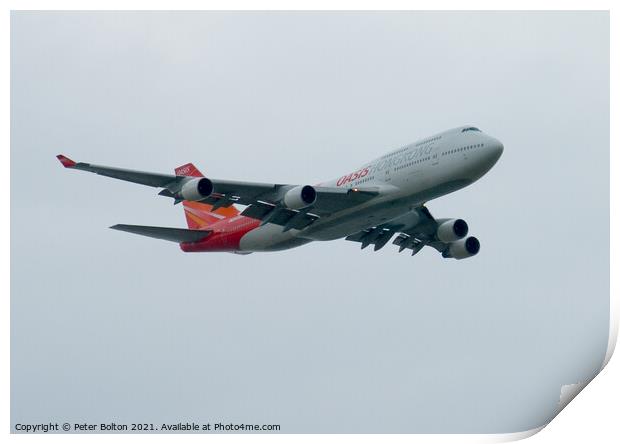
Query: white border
x,y
598,400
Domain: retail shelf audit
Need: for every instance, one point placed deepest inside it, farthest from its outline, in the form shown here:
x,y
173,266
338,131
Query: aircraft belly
x,y
271,237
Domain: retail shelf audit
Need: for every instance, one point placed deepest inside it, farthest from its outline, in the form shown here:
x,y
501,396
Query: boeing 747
x,y
381,200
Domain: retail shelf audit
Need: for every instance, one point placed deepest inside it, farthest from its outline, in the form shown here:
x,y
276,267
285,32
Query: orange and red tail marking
x,y
200,215
188,170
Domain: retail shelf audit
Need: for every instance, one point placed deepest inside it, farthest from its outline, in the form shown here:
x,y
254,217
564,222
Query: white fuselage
x,y
406,177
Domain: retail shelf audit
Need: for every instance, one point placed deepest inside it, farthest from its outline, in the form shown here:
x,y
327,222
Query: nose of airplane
x,y
499,148
486,157
494,150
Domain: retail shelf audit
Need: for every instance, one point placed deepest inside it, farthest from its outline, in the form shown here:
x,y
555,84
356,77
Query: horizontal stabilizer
x,y
169,234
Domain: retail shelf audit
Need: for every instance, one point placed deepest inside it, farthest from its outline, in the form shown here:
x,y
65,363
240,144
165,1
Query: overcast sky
x,y
108,326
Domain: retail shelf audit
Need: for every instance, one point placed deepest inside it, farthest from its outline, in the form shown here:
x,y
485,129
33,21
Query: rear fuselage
x,y
406,177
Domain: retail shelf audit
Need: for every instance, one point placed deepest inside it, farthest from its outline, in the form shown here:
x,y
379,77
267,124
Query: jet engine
x,y
300,197
452,230
464,248
196,189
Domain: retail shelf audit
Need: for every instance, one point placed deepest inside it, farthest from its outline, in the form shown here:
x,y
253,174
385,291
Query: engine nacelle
x,y
464,248
197,189
452,230
300,197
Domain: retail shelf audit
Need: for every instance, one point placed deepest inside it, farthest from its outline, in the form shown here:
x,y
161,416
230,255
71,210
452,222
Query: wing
x,y
416,229
141,177
264,201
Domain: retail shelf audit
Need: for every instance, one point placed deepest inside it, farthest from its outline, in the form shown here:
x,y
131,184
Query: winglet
x,y
66,162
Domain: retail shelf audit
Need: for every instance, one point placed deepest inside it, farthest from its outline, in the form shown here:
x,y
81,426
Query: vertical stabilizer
x,y
188,170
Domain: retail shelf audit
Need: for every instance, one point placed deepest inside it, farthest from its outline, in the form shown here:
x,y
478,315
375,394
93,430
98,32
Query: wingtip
x,y
65,161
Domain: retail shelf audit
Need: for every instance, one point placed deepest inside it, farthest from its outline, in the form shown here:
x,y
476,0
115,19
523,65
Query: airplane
x,y
369,205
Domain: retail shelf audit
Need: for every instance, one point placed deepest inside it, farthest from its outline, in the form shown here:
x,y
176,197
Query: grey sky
x,y
106,326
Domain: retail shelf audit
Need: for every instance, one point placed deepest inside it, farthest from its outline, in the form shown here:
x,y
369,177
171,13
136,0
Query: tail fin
x,y
188,170
200,215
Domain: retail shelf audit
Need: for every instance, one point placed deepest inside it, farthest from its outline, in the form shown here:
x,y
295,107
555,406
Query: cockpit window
x,y
471,128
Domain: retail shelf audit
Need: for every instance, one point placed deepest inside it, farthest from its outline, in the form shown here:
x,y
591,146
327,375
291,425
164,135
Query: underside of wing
x,y
418,229
287,218
325,201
